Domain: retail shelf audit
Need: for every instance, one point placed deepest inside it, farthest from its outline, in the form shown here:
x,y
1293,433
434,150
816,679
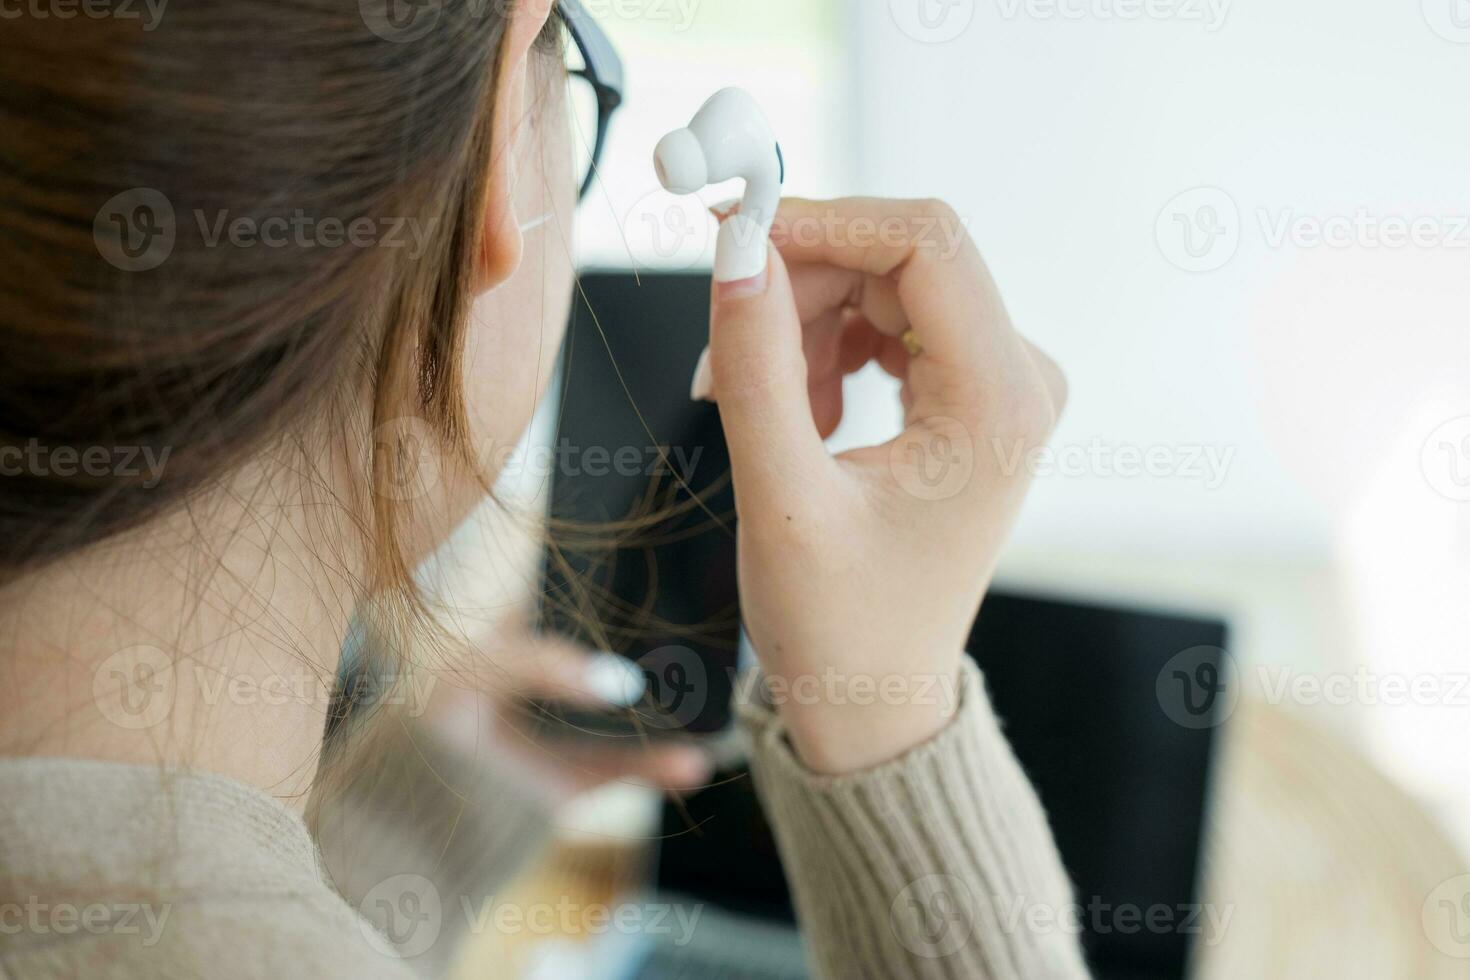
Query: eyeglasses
x,y
596,74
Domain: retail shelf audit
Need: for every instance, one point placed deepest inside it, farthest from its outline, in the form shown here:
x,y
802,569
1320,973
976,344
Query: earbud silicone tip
x,y
679,160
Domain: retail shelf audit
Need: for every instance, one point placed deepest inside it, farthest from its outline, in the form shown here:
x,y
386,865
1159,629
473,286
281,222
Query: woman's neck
x,y
209,641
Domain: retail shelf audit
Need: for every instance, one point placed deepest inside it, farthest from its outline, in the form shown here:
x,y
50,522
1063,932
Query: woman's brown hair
x,y
143,163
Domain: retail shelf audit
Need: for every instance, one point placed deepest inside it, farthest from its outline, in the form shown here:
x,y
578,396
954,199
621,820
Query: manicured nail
x,y
690,768
742,252
743,288
614,679
725,208
703,386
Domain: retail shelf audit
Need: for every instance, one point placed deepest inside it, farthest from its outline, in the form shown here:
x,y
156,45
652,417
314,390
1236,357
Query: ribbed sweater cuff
x,y
937,864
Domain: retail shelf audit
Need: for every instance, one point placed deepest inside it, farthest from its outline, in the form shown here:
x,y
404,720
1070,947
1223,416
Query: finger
x,y
549,669
1051,373
893,358
821,345
941,282
822,289
837,308
665,766
834,346
826,397
825,297
860,344
760,374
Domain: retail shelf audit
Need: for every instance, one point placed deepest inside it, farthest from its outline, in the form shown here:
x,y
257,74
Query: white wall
x,y
1322,371
1062,140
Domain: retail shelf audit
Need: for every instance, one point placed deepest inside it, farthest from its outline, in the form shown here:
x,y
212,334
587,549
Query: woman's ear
x,y
501,244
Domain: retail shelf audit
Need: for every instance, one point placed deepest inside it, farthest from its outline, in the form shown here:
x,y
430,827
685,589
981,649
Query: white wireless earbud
x,y
728,138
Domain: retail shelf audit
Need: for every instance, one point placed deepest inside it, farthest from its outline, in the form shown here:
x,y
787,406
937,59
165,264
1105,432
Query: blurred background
x,y
1243,229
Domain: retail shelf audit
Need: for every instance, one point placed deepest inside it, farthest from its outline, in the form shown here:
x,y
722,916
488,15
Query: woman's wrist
x,y
855,732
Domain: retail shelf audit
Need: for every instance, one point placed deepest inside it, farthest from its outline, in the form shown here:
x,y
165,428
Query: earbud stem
x,y
729,138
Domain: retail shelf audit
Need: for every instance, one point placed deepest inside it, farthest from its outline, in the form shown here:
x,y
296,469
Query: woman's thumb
x,y
760,379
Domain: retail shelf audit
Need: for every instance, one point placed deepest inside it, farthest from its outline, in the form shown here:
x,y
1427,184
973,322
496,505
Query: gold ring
x,y
911,343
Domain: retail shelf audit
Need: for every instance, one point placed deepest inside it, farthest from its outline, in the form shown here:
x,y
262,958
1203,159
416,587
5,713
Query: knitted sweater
x,y
912,869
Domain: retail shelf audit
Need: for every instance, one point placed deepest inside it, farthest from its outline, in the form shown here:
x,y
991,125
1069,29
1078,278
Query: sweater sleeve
x,y
938,864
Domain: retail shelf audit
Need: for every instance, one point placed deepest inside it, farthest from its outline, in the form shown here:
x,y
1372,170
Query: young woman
x,y
257,253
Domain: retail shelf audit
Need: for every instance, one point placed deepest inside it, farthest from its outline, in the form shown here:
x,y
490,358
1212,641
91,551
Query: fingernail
x,y
691,768
703,386
725,208
613,679
744,288
742,255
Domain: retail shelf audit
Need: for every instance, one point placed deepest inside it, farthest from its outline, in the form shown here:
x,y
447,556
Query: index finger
x,y
944,286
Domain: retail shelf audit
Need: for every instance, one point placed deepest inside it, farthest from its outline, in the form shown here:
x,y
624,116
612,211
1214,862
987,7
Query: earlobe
x,y
501,241
501,244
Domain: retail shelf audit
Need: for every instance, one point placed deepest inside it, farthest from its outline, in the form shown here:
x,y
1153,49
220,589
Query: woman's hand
x,y
494,719
861,574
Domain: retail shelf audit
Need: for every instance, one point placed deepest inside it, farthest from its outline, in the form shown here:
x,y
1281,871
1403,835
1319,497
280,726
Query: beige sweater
x,y
914,869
